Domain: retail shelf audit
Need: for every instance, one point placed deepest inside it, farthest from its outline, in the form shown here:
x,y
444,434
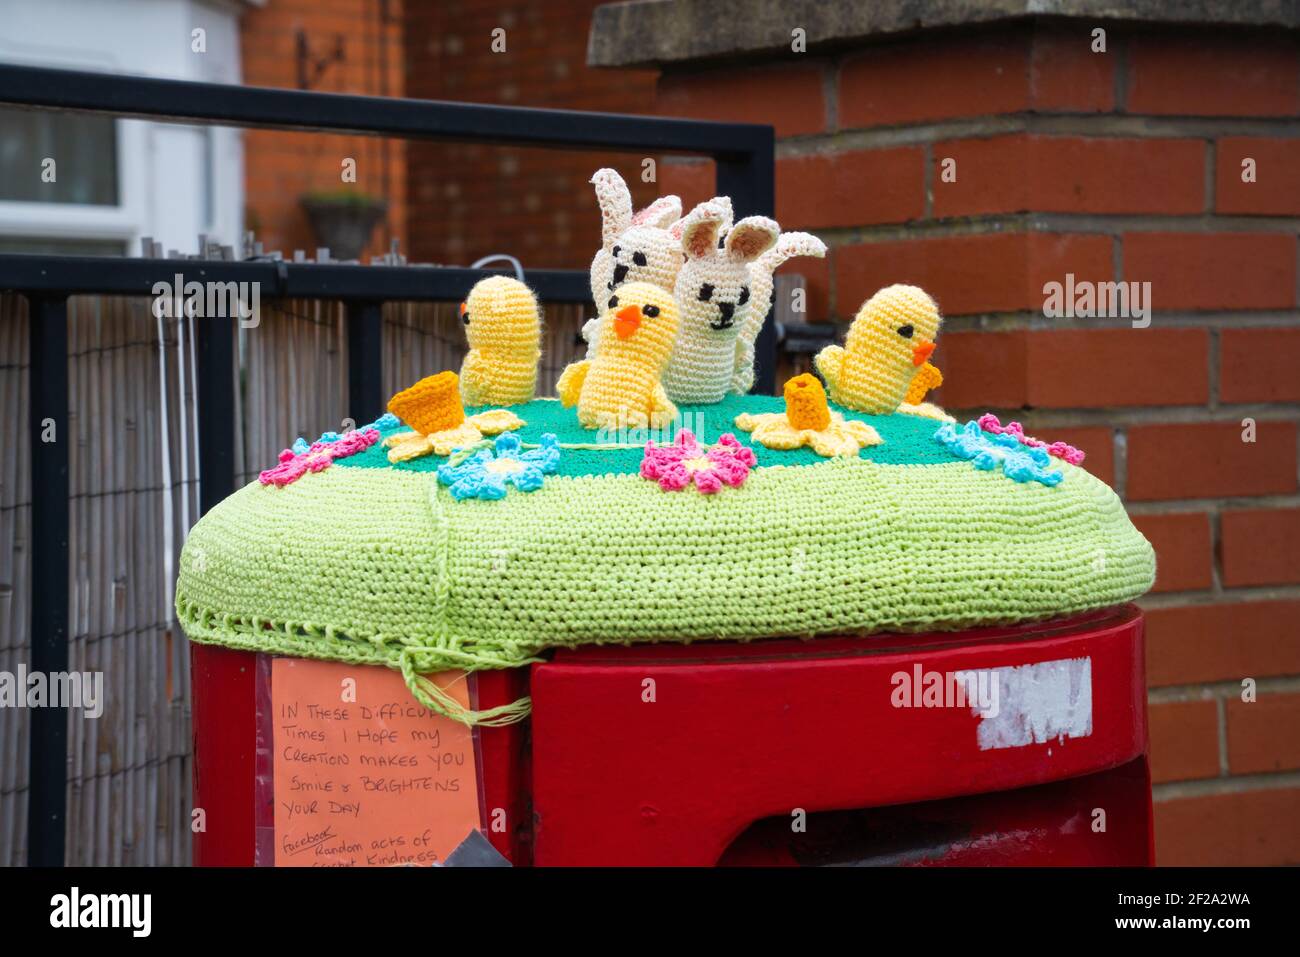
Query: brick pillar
x,y
1123,165
469,200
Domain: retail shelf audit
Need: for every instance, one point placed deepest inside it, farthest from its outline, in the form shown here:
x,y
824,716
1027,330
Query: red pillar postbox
x,y
781,751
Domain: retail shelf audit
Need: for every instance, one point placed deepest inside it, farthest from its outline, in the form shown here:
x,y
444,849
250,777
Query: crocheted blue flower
x,y
488,473
383,423
987,451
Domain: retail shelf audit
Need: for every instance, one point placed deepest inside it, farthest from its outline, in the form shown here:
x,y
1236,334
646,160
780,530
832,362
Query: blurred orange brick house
x,y
447,203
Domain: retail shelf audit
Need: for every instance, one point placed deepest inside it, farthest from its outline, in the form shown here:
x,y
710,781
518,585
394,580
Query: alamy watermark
x,y
75,909
918,688
1083,299
620,432
59,689
211,300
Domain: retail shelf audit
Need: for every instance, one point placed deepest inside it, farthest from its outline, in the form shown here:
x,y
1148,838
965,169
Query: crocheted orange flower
x,y
431,405
808,420
433,408
805,403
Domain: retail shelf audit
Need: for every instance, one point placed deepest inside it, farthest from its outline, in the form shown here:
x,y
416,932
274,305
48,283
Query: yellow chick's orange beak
x,y
921,353
627,321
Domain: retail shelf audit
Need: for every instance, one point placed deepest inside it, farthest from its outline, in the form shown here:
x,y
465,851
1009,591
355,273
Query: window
x,y
120,179
83,148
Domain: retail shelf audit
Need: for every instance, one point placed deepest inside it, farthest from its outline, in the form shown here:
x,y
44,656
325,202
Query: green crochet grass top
x,y
373,563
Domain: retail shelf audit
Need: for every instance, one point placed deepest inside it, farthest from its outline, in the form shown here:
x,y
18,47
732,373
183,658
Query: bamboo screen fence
x,y
134,494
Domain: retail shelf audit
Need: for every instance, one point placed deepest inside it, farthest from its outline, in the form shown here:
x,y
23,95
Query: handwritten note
x,y
363,776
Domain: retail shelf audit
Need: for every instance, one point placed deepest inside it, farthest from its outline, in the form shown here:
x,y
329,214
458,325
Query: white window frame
x,y
71,221
153,159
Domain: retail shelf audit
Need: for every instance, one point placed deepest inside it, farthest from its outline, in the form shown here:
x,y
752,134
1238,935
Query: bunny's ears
x,y
748,240
699,230
744,242
615,204
707,210
751,237
662,213
790,245
616,216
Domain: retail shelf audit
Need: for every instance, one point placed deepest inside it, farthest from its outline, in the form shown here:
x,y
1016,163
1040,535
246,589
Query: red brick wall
x,y
469,201
1123,165
280,167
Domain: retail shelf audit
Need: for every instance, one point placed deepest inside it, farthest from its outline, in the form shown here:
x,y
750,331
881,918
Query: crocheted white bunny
x,y
761,283
713,300
634,247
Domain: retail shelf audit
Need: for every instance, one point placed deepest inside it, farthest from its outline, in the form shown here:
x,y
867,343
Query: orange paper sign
x,y
363,775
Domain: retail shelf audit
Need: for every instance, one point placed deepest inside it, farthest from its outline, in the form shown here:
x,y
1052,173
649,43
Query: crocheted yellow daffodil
x,y
433,407
808,420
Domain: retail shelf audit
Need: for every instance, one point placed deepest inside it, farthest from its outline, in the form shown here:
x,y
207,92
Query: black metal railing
x,y
744,157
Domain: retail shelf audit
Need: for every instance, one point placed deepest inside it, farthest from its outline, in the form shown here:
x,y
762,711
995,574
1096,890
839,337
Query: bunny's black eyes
x,y
744,296
905,332
706,292
639,258
615,251
650,311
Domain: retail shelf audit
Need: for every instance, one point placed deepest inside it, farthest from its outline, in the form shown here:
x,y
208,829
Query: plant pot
x,y
344,225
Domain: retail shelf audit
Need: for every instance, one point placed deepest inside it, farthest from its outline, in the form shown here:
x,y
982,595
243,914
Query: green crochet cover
x,y
908,438
371,563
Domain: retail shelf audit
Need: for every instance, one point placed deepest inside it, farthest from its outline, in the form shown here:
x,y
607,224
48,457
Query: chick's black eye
x,y
613,301
905,332
744,296
464,317
615,251
650,311
706,292
639,258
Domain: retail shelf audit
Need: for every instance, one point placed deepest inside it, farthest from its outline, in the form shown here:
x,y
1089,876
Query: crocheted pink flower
x,y
319,455
1062,450
675,466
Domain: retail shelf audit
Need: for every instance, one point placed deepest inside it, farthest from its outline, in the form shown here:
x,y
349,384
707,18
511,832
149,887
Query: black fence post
x,y
365,361
216,395
749,178
51,441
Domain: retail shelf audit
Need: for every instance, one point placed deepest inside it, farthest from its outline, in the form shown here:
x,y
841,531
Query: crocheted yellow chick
x,y
888,343
634,247
808,420
619,387
432,407
504,331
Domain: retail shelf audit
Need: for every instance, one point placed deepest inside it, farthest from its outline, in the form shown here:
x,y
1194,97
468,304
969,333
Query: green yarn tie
x,y
415,660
